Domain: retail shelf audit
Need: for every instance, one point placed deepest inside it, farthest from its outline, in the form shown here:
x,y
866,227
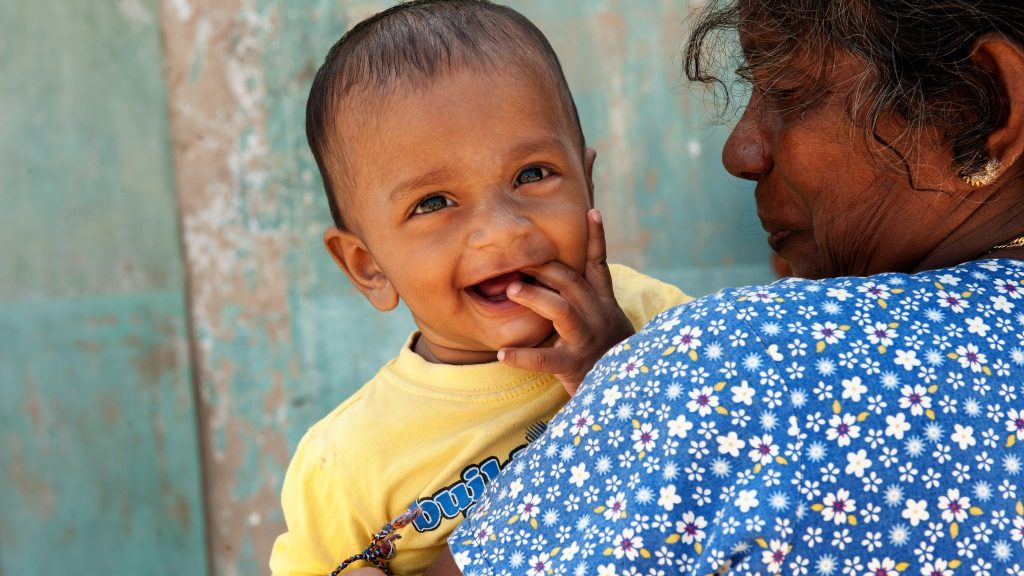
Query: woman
x,y
868,419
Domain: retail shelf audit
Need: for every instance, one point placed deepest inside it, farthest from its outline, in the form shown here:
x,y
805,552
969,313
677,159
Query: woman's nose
x,y
746,153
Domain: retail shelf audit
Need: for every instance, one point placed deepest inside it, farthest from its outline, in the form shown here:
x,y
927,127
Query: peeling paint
x,y
34,490
135,12
153,361
182,9
33,405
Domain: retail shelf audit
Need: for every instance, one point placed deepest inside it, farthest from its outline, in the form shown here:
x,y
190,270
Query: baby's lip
x,y
495,287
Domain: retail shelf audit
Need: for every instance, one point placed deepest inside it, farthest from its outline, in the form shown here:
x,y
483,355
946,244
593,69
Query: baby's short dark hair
x,y
410,45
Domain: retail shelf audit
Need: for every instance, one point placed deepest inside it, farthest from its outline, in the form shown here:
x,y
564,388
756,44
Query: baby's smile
x,y
492,292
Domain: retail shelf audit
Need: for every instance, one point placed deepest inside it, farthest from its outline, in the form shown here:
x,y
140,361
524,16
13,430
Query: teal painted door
x,y
99,456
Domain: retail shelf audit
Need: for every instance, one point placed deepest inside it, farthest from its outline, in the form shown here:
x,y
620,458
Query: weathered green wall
x,y
99,461
98,419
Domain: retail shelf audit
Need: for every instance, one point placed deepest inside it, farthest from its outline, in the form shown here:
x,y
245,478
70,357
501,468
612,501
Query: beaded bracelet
x,y
382,545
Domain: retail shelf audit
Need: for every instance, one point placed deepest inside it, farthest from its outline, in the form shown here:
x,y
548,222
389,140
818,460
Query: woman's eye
x,y
793,101
779,97
432,204
529,175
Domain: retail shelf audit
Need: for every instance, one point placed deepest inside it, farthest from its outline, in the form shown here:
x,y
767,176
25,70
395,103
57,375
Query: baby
x,y
460,184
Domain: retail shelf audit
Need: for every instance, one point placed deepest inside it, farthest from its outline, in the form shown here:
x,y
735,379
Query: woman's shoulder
x,y
797,328
953,287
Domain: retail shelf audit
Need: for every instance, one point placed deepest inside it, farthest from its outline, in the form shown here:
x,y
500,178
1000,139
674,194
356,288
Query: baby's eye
x,y
532,174
432,204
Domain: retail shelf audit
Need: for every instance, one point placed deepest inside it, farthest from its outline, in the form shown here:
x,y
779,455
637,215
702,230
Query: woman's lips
x,y
778,238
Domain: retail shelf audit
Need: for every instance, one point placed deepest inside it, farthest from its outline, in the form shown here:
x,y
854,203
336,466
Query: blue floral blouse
x,y
852,426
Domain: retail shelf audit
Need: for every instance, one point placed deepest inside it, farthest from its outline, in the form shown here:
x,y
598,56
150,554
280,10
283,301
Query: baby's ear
x,y
589,155
355,260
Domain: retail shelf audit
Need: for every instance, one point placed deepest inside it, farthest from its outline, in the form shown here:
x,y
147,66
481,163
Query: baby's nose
x,y
499,224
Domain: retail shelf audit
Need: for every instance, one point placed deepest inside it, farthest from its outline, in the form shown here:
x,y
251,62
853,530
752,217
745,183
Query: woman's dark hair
x,y
917,52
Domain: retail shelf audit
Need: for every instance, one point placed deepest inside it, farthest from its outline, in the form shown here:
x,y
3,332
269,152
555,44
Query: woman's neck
x,y
1016,253
992,221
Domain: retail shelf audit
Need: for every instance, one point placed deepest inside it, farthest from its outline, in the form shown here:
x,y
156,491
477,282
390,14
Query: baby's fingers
x,y
557,361
573,287
597,272
551,305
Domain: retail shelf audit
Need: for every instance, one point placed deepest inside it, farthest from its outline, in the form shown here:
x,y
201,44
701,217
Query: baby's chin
x,y
480,344
544,341
485,350
539,336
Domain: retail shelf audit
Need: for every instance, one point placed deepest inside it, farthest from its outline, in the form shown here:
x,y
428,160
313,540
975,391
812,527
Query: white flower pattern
x,y
849,426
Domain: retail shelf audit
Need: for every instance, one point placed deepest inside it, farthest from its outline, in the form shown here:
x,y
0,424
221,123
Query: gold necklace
x,y
1015,243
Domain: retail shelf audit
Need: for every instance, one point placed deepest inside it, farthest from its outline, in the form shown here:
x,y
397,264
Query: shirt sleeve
x,y
323,528
642,297
675,456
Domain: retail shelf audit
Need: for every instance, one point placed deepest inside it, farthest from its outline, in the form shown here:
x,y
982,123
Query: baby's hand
x,y
583,310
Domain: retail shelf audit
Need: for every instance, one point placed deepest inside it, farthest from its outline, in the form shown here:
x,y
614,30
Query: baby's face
x,y
457,189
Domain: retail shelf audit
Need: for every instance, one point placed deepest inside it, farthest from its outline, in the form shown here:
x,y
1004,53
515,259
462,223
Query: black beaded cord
x,y
382,545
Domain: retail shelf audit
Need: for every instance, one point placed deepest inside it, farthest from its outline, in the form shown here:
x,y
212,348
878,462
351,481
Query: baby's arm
x,y
325,524
583,309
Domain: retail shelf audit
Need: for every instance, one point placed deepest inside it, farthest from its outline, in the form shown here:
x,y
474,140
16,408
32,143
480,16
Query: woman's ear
x,y
355,260
589,155
1004,60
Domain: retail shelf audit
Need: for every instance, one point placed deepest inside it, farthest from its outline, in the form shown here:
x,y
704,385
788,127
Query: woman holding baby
x,y
867,418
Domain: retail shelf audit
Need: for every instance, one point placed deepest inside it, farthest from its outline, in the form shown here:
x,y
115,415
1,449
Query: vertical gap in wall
x,y
194,355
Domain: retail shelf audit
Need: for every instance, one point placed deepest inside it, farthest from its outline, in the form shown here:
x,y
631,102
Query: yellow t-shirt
x,y
420,432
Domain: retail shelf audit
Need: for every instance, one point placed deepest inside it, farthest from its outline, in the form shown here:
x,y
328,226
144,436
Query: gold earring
x,y
983,177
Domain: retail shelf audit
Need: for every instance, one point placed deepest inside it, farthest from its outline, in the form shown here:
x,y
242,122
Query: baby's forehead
x,y
456,134
365,113
375,100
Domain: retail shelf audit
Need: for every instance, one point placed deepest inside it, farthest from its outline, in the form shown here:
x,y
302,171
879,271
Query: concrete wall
x,y
171,325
